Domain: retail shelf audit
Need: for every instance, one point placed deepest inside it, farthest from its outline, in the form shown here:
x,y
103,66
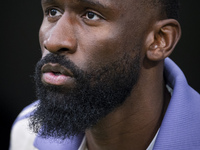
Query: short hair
x,y
171,8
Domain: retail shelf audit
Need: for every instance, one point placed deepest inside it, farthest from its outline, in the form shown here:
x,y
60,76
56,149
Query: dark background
x,y
20,22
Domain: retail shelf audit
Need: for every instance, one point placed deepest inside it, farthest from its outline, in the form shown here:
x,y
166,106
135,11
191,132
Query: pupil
x,y
53,12
90,15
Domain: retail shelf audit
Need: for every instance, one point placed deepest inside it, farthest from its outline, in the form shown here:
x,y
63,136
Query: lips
x,y
55,74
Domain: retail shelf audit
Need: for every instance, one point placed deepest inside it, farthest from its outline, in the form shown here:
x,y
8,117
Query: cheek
x,y
101,46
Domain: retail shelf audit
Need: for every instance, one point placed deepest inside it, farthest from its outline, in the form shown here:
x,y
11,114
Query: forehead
x,y
104,3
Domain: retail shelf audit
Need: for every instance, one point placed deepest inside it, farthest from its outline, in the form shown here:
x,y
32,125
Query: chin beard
x,y
64,113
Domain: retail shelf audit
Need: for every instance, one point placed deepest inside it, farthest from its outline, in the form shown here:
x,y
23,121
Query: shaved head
x,y
169,8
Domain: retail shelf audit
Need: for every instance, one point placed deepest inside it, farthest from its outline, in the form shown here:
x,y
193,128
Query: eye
x,y
92,16
53,12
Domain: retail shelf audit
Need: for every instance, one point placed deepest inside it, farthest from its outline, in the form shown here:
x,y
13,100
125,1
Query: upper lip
x,y
56,68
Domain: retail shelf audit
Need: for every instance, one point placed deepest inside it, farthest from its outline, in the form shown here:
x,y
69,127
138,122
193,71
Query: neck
x,y
134,124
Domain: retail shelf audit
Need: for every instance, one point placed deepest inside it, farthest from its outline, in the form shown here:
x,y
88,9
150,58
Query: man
x,y
105,83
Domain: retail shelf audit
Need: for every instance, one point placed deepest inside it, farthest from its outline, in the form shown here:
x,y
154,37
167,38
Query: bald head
x,y
169,8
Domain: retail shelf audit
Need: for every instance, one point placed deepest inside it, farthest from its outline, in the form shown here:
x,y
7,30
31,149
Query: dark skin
x,y
92,33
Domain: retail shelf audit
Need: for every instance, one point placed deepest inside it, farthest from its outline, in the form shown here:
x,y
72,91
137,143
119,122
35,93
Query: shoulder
x,y
21,136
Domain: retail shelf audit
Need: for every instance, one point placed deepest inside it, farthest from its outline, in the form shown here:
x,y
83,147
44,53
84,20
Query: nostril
x,y
63,50
55,45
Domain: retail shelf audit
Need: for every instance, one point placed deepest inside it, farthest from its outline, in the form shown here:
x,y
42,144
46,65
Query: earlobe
x,y
163,39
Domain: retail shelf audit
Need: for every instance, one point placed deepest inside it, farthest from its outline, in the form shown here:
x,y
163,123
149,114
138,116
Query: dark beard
x,y
64,113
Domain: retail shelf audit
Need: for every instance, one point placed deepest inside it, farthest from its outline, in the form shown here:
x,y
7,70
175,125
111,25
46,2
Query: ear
x,y
162,39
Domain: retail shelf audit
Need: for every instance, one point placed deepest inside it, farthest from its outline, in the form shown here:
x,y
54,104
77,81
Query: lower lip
x,y
51,78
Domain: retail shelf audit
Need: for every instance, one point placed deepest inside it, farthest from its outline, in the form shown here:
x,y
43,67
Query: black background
x,y
20,22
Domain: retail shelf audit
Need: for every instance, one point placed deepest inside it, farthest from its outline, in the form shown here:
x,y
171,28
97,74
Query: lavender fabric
x,y
72,143
180,129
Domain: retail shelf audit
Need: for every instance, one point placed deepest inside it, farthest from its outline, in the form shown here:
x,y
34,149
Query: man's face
x,y
91,62
92,33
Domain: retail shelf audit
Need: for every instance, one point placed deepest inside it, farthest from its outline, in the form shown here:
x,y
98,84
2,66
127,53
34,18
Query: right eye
x,y
52,12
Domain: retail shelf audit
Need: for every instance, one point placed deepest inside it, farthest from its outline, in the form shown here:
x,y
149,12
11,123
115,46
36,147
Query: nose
x,y
61,37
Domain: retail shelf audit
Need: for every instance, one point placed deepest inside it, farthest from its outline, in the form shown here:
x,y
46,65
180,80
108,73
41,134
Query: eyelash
x,y
95,15
85,16
48,10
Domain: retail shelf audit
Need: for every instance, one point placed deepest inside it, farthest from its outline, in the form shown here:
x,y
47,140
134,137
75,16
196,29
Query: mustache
x,y
62,61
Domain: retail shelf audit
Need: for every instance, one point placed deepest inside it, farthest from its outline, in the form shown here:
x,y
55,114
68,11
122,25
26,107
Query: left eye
x,y
53,12
92,16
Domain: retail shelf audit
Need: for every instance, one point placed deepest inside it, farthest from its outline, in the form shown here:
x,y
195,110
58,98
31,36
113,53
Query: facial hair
x,y
63,113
